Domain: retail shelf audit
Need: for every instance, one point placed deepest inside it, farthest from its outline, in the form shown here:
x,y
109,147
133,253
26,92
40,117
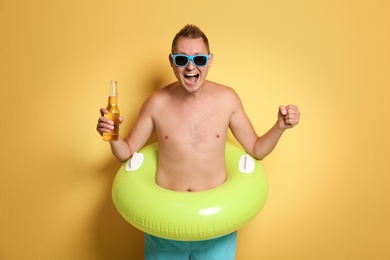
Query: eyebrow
x,y
197,53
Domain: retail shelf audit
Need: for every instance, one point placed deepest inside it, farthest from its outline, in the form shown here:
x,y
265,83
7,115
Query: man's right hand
x,y
105,125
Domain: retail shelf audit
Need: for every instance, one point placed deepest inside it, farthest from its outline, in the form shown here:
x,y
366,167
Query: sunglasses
x,y
182,60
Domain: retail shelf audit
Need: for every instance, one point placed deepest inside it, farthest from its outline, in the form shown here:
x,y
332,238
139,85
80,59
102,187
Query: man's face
x,y
190,76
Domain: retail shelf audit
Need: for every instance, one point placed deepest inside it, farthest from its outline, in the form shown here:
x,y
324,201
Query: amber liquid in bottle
x,y
113,113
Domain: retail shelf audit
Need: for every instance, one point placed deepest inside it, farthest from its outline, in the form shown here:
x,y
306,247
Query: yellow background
x,y
329,177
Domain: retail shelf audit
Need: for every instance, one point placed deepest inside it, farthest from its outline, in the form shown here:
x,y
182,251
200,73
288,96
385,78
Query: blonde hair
x,y
192,32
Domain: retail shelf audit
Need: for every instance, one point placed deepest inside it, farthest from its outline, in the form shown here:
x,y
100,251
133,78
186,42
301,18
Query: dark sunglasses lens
x,y
181,60
200,60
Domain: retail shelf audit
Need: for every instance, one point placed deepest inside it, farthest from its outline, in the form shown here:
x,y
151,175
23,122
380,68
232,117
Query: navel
x,y
217,136
166,137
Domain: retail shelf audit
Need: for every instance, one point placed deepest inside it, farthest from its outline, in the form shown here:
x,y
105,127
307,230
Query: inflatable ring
x,y
189,216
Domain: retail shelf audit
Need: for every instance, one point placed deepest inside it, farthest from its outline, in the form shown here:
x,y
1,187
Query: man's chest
x,y
193,126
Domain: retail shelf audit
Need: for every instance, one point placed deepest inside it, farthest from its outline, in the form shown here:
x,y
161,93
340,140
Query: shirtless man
x,y
191,117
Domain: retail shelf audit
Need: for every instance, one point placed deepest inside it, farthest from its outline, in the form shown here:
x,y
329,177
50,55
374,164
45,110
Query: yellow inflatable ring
x,y
189,216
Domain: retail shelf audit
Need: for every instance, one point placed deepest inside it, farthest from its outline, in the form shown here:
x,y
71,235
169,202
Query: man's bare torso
x,y
192,134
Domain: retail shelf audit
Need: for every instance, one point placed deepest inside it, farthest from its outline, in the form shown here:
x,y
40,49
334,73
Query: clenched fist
x,y
288,116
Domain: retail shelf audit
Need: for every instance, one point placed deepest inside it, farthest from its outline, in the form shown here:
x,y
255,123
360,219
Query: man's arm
x,y
261,146
143,128
288,117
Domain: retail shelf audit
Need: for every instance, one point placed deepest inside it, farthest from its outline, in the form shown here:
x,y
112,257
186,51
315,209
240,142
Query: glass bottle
x,y
113,112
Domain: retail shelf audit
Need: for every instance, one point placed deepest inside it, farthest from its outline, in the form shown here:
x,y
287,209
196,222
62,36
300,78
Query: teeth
x,y
191,75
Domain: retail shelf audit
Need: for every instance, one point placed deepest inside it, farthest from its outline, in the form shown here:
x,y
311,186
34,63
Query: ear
x,y
170,60
210,60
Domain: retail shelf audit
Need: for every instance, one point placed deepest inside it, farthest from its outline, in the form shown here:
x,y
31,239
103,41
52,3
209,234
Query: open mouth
x,y
191,78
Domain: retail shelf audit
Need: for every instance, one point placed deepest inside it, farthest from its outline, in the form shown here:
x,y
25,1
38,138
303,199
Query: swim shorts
x,y
221,248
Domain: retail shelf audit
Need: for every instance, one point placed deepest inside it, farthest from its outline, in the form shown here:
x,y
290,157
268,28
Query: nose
x,y
190,65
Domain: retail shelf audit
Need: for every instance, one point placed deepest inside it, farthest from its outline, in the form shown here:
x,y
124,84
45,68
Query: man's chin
x,y
191,87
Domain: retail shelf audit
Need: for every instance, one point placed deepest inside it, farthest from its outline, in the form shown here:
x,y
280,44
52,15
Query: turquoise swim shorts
x,y
221,248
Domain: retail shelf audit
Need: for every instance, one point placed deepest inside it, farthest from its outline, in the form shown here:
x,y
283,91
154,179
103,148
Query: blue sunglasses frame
x,y
190,58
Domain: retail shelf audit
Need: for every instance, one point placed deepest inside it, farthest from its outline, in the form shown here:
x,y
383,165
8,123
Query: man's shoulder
x,y
159,96
165,91
221,89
